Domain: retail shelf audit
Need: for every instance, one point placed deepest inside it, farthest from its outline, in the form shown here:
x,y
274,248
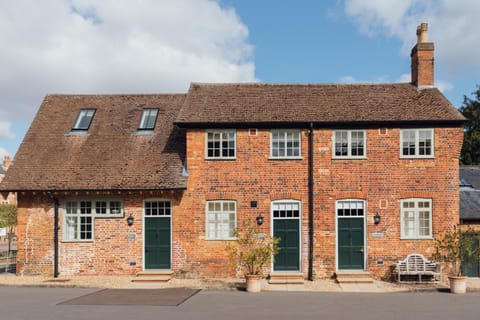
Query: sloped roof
x,y
2,170
470,192
327,104
112,156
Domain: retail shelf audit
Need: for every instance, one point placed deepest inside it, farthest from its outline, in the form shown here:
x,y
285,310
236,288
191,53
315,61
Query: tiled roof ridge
x,y
113,94
305,84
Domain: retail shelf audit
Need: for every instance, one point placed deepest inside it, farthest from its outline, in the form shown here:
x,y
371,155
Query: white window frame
x,y
147,115
73,233
211,217
83,114
221,141
417,143
349,144
285,140
416,210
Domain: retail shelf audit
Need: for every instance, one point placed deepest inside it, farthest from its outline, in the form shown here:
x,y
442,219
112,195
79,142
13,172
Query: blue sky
x,y
113,46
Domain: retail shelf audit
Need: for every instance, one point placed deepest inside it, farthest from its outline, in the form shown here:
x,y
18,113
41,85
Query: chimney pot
x,y
422,32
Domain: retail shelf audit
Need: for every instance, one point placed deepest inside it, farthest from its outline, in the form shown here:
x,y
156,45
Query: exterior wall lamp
x,y
130,220
376,218
259,219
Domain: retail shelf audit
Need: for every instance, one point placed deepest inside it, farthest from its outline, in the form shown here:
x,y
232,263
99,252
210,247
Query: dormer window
x,y
148,120
84,119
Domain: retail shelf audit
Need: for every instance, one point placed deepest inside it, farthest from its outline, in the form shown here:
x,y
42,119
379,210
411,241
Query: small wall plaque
x,y
131,235
259,235
377,234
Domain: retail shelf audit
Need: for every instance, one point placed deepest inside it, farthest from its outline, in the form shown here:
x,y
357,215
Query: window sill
x,y
221,159
221,239
78,241
422,238
80,133
285,158
416,157
349,158
144,133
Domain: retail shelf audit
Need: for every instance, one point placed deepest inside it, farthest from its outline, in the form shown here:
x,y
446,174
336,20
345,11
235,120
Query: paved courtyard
x,y
42,304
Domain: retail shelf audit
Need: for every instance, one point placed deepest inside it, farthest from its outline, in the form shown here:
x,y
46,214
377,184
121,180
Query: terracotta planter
x,y
458,284
254,282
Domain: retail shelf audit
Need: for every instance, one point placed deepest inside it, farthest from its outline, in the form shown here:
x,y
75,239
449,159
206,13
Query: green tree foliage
x,y
471,142
8,215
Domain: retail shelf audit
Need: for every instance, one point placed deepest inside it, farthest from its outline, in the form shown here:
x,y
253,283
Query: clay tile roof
x,y
111,157
319,103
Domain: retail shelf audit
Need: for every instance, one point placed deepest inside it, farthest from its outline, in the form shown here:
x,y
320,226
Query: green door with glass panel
x,y
471,266
286,226
350,244
157,235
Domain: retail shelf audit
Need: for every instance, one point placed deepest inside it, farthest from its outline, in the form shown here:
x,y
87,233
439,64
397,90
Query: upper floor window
x,y
79,215
148,120
221,219
349,143
285,144
416,218
416,143
221,144
84,119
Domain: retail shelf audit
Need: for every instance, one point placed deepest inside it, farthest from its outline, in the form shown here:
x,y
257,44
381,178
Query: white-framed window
x,y
286,209
221,144
416,218
416,143
79,215
349,143
350,208
84,119
285,144
148,119
221,216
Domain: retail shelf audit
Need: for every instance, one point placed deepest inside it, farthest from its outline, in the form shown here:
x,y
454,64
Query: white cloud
x,y
453,26
112,46
5,132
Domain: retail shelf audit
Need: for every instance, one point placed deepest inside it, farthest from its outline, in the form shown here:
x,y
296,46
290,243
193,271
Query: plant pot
x,y
458,284
254,282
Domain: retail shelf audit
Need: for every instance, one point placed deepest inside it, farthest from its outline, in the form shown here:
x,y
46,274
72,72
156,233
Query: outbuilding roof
x,y
111,155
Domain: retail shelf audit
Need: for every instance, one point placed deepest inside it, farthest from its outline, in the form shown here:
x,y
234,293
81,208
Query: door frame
x,y
365,247
299,230
143,229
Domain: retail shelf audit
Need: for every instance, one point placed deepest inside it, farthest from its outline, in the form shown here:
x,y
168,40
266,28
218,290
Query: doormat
x,y
149,297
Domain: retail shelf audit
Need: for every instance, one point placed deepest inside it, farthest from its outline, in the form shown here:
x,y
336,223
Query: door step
x,y
153,276
286,278
353,277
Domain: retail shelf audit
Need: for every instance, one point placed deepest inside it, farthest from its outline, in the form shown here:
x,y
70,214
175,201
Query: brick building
x,y
351,177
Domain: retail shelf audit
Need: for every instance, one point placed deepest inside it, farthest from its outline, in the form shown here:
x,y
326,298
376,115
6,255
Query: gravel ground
x,y
327,285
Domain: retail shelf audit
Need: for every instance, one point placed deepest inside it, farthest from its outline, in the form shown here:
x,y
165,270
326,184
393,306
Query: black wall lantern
x,y
259,219
376,218
130,220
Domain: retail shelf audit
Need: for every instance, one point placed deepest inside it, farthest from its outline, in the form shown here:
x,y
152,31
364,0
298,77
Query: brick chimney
x,y
422,59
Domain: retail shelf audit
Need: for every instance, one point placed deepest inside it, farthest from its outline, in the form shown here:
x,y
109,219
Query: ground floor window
x,y
416,218
79,216
221,220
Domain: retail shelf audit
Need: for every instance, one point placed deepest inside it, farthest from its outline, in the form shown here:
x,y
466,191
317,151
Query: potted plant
x,y
453,247
251,254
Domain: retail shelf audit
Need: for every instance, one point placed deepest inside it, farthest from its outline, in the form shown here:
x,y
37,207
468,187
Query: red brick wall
x,y
382,177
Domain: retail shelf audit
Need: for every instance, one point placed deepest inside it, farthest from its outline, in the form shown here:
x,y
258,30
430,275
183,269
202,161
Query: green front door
x,y
470,267
157,243
288,257
350,244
